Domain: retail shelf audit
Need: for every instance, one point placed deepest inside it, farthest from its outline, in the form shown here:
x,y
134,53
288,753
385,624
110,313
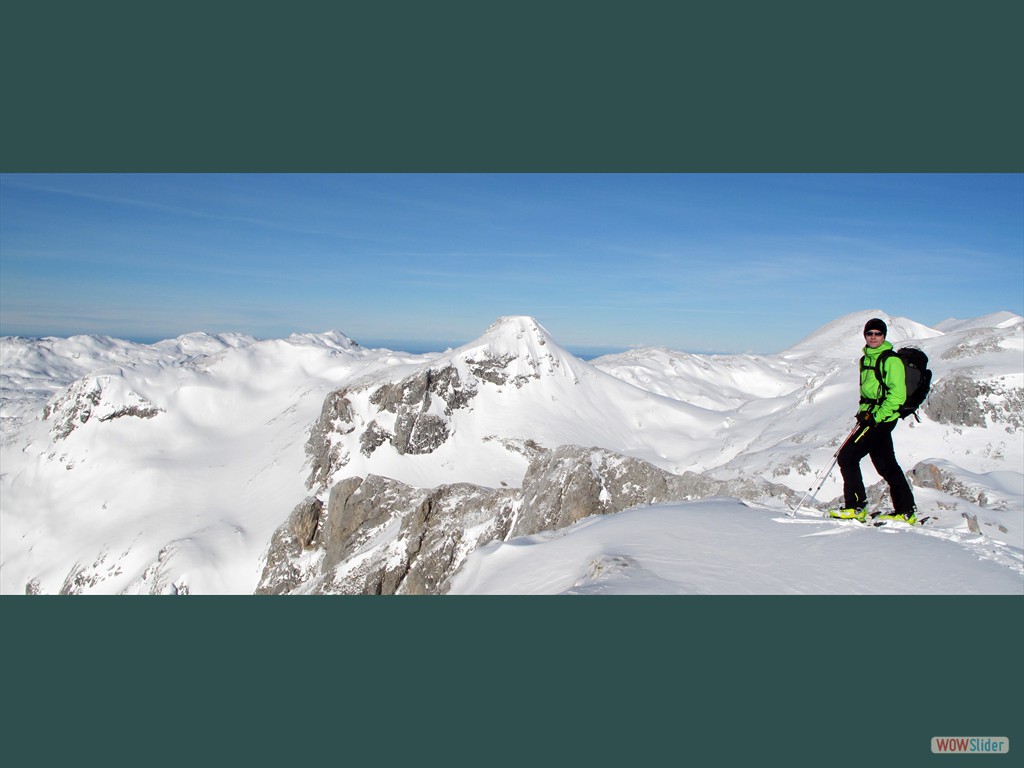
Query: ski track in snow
x,y
984,547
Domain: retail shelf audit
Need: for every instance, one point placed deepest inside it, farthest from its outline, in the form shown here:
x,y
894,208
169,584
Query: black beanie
x,y
874,324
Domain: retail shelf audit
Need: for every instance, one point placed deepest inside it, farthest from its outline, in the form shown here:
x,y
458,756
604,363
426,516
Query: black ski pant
x,y
874,441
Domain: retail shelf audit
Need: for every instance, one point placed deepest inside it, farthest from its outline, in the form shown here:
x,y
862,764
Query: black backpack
x,y
918,378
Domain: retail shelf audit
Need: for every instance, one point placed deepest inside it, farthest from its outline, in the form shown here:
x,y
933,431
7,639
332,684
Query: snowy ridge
x,y
842,339
34,370
168,468
994,320
715,382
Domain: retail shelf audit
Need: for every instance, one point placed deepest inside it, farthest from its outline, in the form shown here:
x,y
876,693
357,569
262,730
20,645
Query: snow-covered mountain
x,y
34,370
175,458
226,464
472,415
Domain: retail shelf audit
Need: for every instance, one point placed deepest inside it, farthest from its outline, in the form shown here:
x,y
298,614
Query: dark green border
x,y
461,86
504,681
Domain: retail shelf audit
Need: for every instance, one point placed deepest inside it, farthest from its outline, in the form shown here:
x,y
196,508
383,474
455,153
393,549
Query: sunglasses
x,y
874,333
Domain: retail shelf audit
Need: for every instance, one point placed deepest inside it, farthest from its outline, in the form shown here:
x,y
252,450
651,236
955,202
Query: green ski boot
x,y
849,513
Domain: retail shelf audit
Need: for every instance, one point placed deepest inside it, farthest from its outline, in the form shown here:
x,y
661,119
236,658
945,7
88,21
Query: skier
x,y
876,419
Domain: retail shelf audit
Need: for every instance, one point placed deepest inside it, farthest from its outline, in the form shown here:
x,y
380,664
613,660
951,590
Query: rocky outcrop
x,y
929,475
412,415
325,453
569,483
955,401
380,536
94,398
962,401
285,569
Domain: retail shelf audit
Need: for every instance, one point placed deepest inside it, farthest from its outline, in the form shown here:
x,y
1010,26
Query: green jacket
x,y
894,376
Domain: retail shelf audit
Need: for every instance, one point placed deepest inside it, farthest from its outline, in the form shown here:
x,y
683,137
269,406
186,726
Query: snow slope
x,y
128,468
195,489
724,547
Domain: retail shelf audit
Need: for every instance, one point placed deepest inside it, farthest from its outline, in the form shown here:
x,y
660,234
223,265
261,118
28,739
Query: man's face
x,y
874,339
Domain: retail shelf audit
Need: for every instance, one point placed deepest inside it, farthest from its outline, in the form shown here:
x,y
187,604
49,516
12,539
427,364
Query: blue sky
x,y
694,262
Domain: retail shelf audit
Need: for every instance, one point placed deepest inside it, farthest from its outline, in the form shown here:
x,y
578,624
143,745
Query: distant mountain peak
x,y
521,347
842,338
332,338
518,328
515,335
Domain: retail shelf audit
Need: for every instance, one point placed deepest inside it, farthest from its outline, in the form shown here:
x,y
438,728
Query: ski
x,y
852,522
920,521
879,523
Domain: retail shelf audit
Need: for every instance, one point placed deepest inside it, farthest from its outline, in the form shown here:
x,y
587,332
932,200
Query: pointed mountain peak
x,y
520,348
517,337
516,333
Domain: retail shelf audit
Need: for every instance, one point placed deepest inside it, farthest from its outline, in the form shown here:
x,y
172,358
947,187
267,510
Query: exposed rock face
x,y
92,398
284,568
417,428
569,483
928,475
412,415
962,401
326,454
955,401
73,408
380,536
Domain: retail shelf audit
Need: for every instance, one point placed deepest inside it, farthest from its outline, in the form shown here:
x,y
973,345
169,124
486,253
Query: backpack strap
x,y
877,368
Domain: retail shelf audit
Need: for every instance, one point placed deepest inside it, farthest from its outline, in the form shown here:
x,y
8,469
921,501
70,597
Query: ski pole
x,y
813,491
822,476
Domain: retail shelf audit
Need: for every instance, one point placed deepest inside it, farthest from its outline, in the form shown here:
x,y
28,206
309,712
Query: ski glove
x,y
865,418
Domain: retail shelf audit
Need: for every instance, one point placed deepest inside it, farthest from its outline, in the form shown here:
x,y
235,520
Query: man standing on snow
x,y
876,419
